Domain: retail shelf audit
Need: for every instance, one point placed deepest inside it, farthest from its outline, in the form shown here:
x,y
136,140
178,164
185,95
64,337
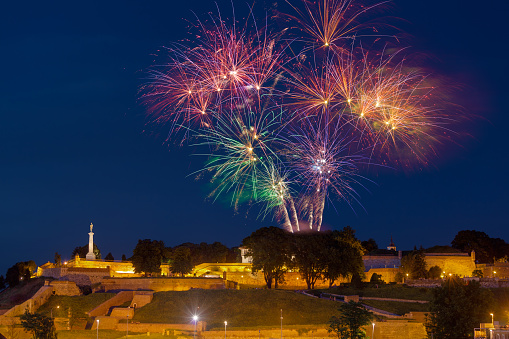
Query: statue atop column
x,y
90,254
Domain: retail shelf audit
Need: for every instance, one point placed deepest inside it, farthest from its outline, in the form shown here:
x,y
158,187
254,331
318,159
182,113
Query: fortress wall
x,y
388,274
65,288
381,261
161,284
117,300
461,265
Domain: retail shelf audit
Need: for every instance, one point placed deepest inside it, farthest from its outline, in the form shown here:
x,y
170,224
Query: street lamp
x,y
492,319
281,323
195,318
127,326
373,331
97,333
225,323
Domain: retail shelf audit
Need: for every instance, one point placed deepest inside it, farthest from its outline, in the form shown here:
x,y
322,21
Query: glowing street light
x,y
195,318
225,323
492,319
281,323
97,333
373,331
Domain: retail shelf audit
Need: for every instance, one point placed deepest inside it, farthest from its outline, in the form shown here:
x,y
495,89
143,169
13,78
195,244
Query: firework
x,y
290,123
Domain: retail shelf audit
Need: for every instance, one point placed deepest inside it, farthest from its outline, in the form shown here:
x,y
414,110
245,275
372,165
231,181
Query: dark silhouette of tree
x,y
58,259
124,258
414,264
83,250
20,271
269,249
376,279
487,250
434,272
109,256
181,261
41,326
2,282
147,256
369,245
457,308
310,255
349,324
208,253
478,274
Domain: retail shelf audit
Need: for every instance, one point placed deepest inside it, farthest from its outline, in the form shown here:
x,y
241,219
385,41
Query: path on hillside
x,y
341,298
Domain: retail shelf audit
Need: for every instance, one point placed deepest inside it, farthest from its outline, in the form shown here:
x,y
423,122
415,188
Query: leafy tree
x,y
41,326
369,245
2,282
357,280
109,256
414,264
310,255
83,250
349,324
124,258
58,259
208,253
478,274
457,308
181,261
399,277
19,271
487,250
342,256
147,256
269,248
376,279
434,272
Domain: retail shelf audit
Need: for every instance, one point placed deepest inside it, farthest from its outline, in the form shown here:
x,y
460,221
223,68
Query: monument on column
x,y
90,254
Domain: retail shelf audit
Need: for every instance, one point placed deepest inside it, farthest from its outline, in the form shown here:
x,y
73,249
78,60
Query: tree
x,y
109,256
269,249
414,264
2,282
434,272
348,325
343,256
456,308
58,259
487,250
377,279
181,261
478,274
41,326
147,256
399,277
83,250
124,258
19,271
310,255
369,245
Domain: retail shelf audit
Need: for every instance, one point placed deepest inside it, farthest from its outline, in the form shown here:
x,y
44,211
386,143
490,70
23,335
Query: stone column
x,y
90,254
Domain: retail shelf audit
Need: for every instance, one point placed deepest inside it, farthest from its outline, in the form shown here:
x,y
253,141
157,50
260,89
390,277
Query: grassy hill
x,y
79,305
241,308
16,295
384,291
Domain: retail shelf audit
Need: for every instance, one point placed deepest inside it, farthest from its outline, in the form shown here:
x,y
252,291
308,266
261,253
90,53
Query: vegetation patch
x,y
397,307
241,308
78,305
383,291
18,294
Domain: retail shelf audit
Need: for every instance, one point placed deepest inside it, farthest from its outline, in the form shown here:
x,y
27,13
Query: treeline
x,y
316,255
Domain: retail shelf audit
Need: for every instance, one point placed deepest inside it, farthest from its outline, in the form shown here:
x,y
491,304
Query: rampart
x,y
117,300
461,264
161,284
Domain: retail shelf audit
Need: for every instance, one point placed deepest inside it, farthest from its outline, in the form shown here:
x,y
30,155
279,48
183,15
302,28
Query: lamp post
x,y
97,333
492,323
281,323
195,318
127,326
373,331
225,323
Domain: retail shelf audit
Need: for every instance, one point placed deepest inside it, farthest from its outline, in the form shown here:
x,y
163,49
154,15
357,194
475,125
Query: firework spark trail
x,y
289,133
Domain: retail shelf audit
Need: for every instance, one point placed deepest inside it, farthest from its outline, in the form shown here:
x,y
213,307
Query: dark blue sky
x,y
73,150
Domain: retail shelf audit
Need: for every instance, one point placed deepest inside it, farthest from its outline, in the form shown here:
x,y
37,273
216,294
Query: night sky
x,y
73,148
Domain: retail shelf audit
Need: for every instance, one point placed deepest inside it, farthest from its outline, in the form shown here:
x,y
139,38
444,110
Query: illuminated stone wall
x,y
461,264
161,284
